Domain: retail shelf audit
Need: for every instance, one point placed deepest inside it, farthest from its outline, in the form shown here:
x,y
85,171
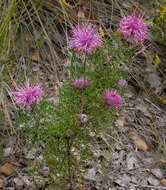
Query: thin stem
x,y
71,64
68,156
81,100
84,62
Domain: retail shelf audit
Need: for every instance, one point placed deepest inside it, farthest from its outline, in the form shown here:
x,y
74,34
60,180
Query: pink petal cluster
x,y
82,82
25,97
86,38
112,98
122,84
134,28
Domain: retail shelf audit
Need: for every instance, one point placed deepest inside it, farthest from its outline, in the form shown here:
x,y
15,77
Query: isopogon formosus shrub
x,y
88,102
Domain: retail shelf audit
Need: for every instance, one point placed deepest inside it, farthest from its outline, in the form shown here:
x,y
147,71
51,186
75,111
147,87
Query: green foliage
x,y
1,153
159,30
8,11
58,131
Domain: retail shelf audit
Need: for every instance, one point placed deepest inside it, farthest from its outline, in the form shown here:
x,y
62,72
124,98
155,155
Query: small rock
x,y
122,154
115,156
120,121
45,171
35,69
76,153
53,100
143,108
148,160
157,173
91,174
129,95
51,77
132,188
144,181
163,182
39,179
153,181
132,162
92,134
154,81
125,4
11,141
21,125
18,181
123,180
10,188
40,158
134,179
7,151
31,154
83,118
26,180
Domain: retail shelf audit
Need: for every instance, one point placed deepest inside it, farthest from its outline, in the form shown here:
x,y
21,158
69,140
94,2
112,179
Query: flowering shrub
x,y
85,38
63,133
134,28
65,130
26,96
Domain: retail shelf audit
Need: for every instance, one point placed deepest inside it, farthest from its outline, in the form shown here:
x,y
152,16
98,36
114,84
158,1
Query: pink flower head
x,y
112,98
134,28
86,38
122,84
82,82
25,97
